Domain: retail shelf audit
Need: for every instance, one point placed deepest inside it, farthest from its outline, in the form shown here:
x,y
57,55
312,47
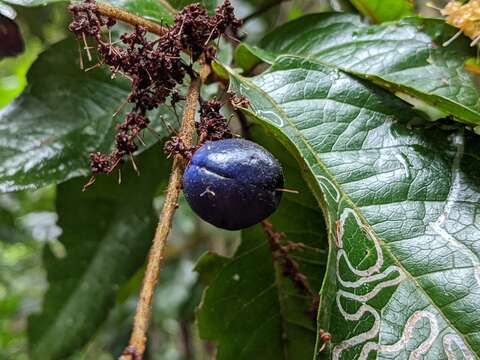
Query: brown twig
x,y
126,17
138,338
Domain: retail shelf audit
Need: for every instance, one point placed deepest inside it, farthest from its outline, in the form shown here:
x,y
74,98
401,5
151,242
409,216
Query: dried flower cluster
x,y
238,101
211,126
466,17
155,67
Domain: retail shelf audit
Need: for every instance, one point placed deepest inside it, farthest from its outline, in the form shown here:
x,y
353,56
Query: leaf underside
x,y
401,203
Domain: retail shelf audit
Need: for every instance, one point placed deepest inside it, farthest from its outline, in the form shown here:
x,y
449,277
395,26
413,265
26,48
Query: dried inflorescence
x,y
238,101
175,146
212,125
154,67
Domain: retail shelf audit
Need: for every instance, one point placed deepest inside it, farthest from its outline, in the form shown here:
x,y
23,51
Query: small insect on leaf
x,y
11,40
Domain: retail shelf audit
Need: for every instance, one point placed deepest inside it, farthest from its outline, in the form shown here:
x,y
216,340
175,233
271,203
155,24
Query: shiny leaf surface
x,y
401,205
406,57
63,115
154,10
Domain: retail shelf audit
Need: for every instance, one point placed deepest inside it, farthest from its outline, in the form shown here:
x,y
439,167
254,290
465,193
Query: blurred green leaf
x,y
250,308
157,10
18,210
404,57
210,5
401,205
64,114
13,72
384,10
9,231
107,231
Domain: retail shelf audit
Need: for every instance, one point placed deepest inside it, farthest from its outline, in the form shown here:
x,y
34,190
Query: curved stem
x,y
138,338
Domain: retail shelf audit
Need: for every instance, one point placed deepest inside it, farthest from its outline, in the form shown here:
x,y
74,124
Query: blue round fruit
x,y
233,183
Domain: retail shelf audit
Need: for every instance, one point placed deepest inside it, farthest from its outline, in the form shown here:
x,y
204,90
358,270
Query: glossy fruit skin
x,y
232,183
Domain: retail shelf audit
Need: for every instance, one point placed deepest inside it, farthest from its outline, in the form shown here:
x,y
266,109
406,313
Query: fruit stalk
x,y
138,338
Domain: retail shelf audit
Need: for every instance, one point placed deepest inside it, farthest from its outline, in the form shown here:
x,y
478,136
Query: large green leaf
x,y
384,10
405,57
107,231
64,114
250,308
402,205
158,11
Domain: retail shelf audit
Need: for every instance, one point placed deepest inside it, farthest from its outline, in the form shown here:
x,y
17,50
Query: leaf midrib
x,y
346,198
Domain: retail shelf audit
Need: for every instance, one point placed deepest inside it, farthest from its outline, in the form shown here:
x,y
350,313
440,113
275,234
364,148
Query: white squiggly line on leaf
x,y
373,274
459,245
403,161
450,339
406,336
327,186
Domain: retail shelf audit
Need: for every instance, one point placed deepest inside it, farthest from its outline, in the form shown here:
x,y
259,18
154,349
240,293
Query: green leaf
x,y
107,231
250,308
13,72
9,231
156,10
384,10
406,57
65,113
210,5
402,205
159,10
